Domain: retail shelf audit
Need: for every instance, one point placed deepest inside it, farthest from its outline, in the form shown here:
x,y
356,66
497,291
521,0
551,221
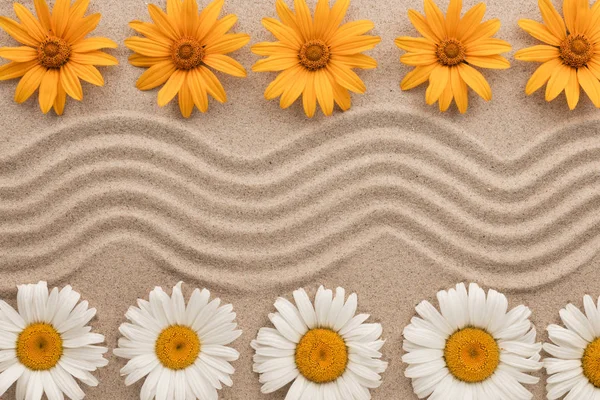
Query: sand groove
x,y
308,204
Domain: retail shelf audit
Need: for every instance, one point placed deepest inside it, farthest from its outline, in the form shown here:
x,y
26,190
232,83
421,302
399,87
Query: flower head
x,y
325,350
449,49
316,55
571,55
47,344
475,348
56,53
182,350
178,48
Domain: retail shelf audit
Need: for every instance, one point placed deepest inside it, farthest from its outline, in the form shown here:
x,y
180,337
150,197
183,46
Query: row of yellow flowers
x,y
315,53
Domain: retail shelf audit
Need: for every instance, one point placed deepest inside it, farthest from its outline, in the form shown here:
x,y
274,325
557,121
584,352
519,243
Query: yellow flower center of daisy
x,y
177,347
39,347
591,362
472,355
314,55
321,355
576,51
450,52
187,53
54,52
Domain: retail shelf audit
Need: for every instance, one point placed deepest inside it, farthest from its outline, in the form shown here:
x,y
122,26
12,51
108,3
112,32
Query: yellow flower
x,y
571,56
56,54
451,46
179,46
316,55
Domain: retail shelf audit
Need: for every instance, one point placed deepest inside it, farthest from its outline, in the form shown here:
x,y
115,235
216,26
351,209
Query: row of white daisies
x,y
473,347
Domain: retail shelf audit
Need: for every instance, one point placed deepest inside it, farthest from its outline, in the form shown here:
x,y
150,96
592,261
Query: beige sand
x,y
392,200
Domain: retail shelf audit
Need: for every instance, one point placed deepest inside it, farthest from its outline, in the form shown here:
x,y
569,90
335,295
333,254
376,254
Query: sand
x,y
392,199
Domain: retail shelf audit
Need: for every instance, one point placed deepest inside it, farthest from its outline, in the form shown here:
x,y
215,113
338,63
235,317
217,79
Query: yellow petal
x,y
14,70
470,21
33,26
361,61
43,13
276,88
78,10
293,91
487,47
435,18
189,18
438,79
341,96
17,32
186,103
29,83
94,58
156,75
417,76
483,31
336,16
197,89
558,82
174,8
60,16
151,32
540,53
88,73
273,48
421,25
347,32
541,76
164,22
148,47
570,13
345,77
303,19
220,28
415,44
572,89
453,17
459,90
228,43
321,18
275,63
446,98
539,31
70,82
85,45
419,59
225,64
360,44
491,62
594,67
309,96
208,18
324,92
476,81
590,85
48,89
213,85
283,33
19,54
552,19
77,31
60,101
171,88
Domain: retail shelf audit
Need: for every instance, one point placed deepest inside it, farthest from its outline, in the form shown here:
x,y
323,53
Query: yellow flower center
x,y
591,362
472,355
450,52
177,347
314,55
39,347
54,52
576,51
321,355
187,53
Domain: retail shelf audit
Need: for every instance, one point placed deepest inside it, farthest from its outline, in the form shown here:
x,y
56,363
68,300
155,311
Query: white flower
x,y
47,344
325,350
575,372
474,349
181,350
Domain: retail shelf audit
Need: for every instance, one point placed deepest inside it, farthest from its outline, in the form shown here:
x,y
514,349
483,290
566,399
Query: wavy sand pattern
x,y
356,178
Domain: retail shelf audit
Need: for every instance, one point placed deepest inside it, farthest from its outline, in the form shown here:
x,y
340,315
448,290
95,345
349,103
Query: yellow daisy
x,y
448,50
316,55
56,53
571,56
179,46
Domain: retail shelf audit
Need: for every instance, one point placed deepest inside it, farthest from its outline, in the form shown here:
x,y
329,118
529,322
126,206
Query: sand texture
x,y
391,200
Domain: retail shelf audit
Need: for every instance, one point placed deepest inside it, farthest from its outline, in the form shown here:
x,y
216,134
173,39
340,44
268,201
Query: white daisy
x,y
325,350
575,370
47,344
181,350
474,349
